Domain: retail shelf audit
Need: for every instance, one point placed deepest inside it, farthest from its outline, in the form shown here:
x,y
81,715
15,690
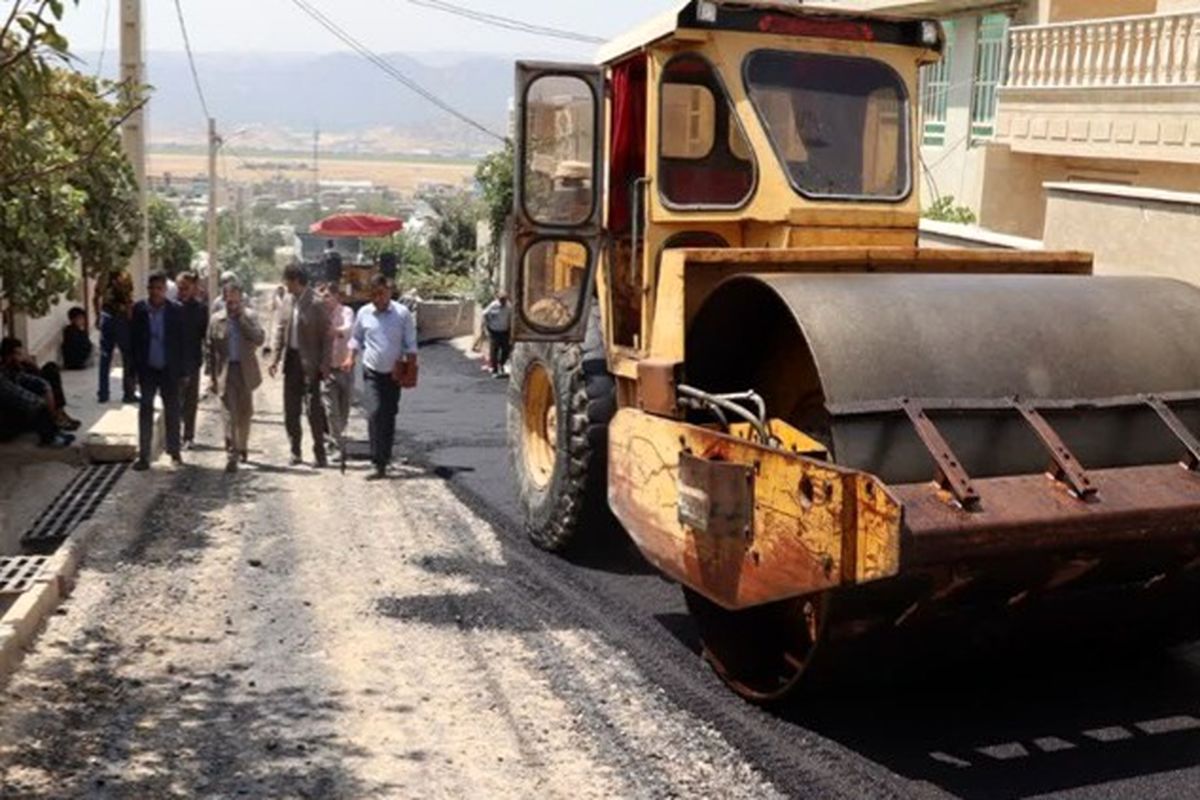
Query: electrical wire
x,y
103,38
508,23
187,46
394,73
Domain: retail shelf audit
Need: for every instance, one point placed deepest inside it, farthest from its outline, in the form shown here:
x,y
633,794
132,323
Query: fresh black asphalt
x,y
1124,726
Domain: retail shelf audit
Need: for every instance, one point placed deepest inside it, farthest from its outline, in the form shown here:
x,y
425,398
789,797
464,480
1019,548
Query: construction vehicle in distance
x,y
730,338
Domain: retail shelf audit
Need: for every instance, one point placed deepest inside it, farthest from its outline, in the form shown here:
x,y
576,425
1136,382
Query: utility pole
x,y
317,173
214,142
133,130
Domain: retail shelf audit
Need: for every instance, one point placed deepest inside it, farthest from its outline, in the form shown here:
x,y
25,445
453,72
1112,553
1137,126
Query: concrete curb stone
x,y
21,623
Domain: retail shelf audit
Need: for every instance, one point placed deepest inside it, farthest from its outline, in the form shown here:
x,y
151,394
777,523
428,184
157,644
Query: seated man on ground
x,y
23,411
44,382
76,342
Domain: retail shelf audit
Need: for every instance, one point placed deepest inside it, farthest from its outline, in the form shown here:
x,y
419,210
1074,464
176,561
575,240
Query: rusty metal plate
x,y
716,497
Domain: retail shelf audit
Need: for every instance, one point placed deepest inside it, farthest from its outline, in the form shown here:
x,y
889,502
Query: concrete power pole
x,y
214,142
133,130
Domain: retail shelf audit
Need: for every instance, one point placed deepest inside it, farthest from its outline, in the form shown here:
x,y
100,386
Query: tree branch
x,y
82,158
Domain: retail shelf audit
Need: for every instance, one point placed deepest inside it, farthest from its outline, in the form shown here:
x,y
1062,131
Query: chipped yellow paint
x,y
807,516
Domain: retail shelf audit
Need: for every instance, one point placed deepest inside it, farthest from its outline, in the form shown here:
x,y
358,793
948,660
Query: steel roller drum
x,y
817,346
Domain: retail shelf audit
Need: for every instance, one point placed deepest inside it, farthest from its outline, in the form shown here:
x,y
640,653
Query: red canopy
x,y
366,225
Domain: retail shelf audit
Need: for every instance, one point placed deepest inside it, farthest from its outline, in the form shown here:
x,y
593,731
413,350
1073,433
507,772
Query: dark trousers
x,y
300,393
17,420
501,349
157,381
114,335
189,399
381,401
48,376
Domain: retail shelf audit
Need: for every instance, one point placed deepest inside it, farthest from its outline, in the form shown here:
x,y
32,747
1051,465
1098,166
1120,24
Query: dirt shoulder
x,y
288,632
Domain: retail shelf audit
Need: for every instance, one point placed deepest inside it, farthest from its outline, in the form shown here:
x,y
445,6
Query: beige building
x,y
1075,123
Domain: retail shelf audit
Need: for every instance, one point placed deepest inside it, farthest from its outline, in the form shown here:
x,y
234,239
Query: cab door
x,y
557,199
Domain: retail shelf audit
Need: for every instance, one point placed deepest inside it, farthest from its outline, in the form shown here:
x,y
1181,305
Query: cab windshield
x,y
838,124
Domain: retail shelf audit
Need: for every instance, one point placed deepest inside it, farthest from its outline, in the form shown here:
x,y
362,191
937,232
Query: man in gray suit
x,y
234,337
302,344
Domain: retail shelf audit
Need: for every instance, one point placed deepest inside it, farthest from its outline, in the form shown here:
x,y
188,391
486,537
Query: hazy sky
x,y
383,25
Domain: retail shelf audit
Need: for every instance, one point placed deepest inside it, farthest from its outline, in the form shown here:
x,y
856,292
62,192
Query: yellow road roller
x,y
729,337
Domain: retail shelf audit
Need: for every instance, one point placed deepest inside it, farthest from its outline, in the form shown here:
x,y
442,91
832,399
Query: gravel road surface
x,y
288,632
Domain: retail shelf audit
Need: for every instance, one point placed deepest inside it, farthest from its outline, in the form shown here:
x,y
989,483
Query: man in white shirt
x,y
385,332
497,321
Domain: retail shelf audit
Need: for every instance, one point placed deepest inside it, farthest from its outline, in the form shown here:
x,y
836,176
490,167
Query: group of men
x,y
168,344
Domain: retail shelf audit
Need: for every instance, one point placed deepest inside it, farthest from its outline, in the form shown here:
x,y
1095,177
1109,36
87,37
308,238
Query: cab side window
x,y
704,159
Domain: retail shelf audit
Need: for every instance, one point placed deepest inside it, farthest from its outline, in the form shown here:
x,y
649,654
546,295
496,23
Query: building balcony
x,y
1125,87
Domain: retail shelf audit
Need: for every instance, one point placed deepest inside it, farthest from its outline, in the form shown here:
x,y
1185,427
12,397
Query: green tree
x,y
452,243
171,237
495,177
70,190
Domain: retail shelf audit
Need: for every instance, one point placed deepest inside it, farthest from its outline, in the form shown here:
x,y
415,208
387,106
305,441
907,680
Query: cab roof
x,y
767,17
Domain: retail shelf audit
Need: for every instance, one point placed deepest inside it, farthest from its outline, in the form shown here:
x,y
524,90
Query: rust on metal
x,y
951,475
716,497
813,525
1176,426
1141,503
656,382
1066,466
899,259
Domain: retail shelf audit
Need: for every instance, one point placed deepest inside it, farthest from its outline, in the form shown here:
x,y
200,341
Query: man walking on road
x,y
195,328
302,344
339,385
386,334
114,298
156,339
497,321
234,337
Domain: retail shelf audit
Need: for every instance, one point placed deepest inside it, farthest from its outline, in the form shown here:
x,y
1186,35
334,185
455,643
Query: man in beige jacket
x,y
302,344
234,337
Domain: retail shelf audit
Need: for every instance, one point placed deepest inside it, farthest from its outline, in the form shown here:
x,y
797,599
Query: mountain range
x,y
341,93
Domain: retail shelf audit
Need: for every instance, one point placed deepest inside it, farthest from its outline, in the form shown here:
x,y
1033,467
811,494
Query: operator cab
x,y
717,124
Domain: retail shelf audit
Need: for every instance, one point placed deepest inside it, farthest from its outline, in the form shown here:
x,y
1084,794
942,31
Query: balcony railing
x,y
1154,50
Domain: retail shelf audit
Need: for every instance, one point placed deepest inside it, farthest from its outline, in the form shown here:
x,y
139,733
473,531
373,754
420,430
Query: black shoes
x,y
295,460
231,465
141,465
177,459
377,474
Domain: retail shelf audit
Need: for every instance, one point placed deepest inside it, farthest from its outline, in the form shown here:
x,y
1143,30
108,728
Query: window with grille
x,y
935,89
990,49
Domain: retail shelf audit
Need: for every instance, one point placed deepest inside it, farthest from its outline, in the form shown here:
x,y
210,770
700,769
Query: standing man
x,y
386,334
114,298
195,328
157,343
302,344
497,319
234,337
340,383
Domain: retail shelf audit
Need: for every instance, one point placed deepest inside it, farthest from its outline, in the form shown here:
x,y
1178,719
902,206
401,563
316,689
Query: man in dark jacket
x,y
157,345
195,329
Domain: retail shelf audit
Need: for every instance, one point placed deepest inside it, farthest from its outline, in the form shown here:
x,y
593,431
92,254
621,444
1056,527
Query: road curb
x,y
23,621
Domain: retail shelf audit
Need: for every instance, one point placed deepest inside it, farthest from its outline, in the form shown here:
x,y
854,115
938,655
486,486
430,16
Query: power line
x,y
187,46
508,23
103,38
371,56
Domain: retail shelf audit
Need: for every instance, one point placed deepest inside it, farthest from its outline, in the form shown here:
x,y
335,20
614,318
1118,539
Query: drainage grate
x,y
17,573
73,505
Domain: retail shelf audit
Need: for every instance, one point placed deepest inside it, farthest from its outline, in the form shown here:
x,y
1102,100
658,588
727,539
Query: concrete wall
x,y
445,319
1013,199
1071,10
1131,231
